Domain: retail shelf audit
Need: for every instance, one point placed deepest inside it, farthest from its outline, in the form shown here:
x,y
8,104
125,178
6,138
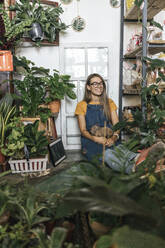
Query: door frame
x,y
84,45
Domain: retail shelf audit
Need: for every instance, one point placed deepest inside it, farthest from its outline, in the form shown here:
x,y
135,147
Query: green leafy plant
x,y
37,142
31,89
145,126
58,86
21,135
6,113
11,32
47,17
15,140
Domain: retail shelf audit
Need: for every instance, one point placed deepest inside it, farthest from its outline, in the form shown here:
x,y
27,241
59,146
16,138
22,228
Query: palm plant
x,y
6,113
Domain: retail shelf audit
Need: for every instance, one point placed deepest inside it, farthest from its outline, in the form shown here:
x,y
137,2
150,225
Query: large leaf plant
x,y
31,89
47,17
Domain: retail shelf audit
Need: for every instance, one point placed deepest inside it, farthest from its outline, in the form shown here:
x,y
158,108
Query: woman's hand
x,y
111,141
100,140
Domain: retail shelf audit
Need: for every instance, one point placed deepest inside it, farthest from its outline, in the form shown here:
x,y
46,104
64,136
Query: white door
x,y
79,61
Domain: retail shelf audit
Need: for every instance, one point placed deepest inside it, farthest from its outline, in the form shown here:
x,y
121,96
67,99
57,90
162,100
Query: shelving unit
x,y
153,8
149,10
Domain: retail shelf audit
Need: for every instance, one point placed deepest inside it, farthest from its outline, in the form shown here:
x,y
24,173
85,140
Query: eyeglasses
x,y
96,84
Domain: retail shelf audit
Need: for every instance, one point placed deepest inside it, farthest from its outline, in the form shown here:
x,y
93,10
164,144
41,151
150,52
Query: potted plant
x,y
15,140
46,19
31,89
58,86
26,146
11,32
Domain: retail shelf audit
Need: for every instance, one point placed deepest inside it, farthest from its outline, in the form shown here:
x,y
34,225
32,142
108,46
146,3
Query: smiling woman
x,y
96,110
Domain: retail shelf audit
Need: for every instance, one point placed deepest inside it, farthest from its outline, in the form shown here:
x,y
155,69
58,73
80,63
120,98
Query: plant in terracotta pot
x,y
58,86
31,89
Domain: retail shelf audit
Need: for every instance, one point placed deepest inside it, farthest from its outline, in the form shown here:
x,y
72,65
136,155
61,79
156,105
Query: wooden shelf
x,y
154,47
133,53
131,92
153,8
43,42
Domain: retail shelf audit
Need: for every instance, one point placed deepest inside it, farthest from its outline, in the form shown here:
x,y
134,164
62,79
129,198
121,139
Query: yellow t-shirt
x,y
81,107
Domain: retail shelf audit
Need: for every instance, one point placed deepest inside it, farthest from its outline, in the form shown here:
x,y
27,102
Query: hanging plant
x,y
48,17
115,3
78,24
11,32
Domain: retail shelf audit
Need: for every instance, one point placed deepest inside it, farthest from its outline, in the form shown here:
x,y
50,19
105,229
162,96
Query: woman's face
x,y
96,86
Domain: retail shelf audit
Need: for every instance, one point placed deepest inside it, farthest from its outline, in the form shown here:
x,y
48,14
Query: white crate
x,y
33,165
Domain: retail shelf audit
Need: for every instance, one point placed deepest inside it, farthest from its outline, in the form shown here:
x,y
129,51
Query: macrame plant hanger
x,y
78,23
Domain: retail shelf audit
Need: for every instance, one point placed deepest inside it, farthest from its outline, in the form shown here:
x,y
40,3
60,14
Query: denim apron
x,y
94,116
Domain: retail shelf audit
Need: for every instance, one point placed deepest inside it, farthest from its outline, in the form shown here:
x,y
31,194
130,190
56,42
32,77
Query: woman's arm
x,y
85,133
115,136
114,117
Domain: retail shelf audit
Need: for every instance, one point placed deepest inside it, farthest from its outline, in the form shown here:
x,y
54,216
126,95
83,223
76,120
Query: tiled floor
x,y
71,157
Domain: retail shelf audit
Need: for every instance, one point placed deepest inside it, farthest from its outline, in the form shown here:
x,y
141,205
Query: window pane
x,y
72,126
75,62
81,90
98,61
70,104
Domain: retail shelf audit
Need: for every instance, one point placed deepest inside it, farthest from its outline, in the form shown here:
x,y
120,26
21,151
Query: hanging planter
x,y
78,24
6,60
36,32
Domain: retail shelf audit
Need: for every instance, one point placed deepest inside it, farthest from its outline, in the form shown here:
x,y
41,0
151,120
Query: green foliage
x,y
58,86
6,113
56,239
138,3
21,135
156,24
13,31
31,89
125,237
36,141
47,17
15,140
39,87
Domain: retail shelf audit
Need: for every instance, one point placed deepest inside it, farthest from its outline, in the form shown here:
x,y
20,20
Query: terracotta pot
x,y
54,106
6,60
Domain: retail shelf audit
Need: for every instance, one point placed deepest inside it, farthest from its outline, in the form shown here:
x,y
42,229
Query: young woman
x,y
96,109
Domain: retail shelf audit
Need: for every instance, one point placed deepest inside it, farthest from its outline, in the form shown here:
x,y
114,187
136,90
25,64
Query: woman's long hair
x,y
103,98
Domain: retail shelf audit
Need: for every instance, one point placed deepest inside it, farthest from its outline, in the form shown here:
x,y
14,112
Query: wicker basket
x,y
24,166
